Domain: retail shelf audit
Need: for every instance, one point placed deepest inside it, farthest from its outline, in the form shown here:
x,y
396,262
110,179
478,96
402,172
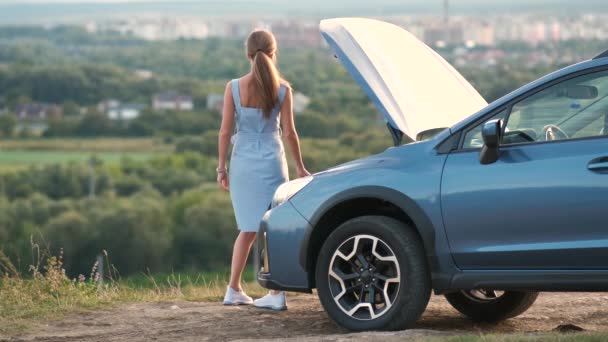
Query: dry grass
x,y
47,293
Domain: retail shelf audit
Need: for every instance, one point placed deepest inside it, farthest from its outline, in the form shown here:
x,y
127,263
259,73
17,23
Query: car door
x,y
544,203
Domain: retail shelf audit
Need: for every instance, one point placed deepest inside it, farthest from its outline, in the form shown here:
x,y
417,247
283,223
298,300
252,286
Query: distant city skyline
x,y
345,4
404,3
51,12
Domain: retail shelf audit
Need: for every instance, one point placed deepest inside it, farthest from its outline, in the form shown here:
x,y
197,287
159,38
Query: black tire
x,y
414,288
508,305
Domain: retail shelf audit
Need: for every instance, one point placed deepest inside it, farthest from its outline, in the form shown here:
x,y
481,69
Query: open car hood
x,y
414,87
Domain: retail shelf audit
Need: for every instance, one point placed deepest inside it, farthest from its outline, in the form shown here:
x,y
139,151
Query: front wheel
x,y
491,305
372,275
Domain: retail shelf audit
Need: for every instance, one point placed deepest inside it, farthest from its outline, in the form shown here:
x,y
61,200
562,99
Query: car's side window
x,y
575,108
473,139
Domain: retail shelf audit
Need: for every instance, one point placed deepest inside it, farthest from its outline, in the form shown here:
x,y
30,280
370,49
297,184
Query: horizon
x,y
70,12
29,10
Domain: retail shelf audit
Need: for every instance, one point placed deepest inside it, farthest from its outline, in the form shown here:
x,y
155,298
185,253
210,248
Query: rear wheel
x,y
491,305
372,275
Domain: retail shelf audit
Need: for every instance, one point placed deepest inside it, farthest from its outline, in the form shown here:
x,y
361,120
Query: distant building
x,y
105,105
480,34
144,74
215,102
438,35
37,111
115,110
297,34
556,34
300,102
535,33
172,101
434,35
236,29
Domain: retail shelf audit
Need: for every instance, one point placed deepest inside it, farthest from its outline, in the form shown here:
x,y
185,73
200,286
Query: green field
x,y
16,154
87,145
11,160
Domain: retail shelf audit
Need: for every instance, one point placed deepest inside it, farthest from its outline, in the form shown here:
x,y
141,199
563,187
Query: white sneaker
x,y
270,301
233,297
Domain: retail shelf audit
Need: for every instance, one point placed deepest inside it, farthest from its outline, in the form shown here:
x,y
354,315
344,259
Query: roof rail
x,y
602,55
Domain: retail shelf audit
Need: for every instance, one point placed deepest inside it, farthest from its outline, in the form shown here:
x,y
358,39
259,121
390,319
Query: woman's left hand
x,y
302,172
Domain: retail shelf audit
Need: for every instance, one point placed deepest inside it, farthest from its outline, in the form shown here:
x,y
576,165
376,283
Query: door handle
x,y
598,164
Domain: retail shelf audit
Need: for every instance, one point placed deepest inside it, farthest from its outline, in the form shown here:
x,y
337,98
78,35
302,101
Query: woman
x,y
256,101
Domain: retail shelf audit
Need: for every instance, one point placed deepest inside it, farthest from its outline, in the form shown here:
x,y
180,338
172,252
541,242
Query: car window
x,y
473,139
598,125
574,108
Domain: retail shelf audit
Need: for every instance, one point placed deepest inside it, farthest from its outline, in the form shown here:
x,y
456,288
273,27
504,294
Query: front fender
x,y
407,205
407,180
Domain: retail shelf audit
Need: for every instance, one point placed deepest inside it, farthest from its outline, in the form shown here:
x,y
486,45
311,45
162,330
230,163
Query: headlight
x,y
287,190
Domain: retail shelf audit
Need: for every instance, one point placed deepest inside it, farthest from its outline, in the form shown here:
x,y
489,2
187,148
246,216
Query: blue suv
x,y
508,201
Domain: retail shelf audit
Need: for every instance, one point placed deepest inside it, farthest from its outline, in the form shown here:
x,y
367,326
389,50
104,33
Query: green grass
x,y
16,154
88,145
16,159
192,279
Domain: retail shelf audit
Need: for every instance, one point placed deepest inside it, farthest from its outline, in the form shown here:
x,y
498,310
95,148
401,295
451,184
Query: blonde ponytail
x,y
261,48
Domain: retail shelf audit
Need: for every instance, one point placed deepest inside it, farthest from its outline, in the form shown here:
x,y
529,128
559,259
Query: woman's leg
x,y
242,247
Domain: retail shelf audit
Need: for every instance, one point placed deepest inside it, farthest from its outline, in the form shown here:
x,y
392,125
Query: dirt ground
x,y
304,321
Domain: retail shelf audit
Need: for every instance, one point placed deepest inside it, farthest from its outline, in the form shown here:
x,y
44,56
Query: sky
x,y
283,2
328,3
67,11
12,2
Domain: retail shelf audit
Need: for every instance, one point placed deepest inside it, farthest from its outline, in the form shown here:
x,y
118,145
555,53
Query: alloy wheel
x,y
364,277
483,295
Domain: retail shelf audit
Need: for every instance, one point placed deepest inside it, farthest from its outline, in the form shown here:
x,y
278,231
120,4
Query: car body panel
x,y
388,176
537,207
531,280
403,80
281,227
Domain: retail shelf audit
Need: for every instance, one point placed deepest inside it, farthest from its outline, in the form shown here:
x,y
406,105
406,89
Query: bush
x,y
128,185
189,145
72,232
7,125
207,144
205,233
135,232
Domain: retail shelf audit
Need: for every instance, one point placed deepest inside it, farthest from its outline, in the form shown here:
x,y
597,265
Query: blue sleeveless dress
x,y
257,163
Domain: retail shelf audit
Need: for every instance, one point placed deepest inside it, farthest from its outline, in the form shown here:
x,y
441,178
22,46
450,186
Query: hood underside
x,y
414,87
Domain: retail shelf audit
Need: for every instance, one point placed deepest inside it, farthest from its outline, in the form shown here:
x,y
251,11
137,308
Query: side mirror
x,y
490,132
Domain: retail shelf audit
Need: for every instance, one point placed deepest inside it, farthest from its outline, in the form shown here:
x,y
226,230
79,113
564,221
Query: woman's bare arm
x,y
224,135
290,135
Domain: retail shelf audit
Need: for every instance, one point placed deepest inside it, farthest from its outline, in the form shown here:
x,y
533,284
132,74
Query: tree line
x,y
165,213
161,214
